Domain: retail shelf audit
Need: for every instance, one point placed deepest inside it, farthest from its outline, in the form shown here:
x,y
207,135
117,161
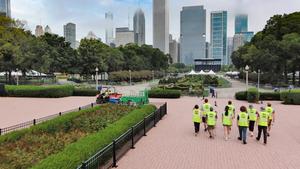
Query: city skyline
x,y
77,13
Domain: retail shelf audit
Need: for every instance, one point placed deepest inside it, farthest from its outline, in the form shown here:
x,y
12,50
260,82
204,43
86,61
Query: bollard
x,y
132,138
145,127
92,105
59,113
114,155
34,122
79,108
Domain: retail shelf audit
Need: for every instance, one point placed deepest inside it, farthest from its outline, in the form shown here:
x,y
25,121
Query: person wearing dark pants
x,y
243,124
252,117
263,118
196,119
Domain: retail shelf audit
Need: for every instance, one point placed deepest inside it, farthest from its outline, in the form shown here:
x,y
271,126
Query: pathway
x,y
172,145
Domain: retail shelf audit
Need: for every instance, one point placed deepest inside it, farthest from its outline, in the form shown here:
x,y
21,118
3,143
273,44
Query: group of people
x,y
246,119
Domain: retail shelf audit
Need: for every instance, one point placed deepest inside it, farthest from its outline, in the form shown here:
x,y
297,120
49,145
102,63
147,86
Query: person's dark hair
x,y
243,109
196,107
229,102
269,104
226,111
206,100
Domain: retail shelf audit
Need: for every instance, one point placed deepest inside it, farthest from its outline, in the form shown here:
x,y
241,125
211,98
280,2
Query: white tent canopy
x,y
192,73
29,73
211,73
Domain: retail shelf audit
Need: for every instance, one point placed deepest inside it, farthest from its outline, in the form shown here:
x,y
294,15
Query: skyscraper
x,y
219,36
229,49
109,30
48,29
70,34
39,31
241,23
193,34
173,49
5,8
238,41
139,27
161,25
124,36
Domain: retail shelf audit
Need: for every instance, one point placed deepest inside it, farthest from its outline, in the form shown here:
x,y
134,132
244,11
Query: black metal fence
x,y
40,120
109,155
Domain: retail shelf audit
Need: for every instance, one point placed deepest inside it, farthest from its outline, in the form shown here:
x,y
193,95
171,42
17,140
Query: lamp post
x,y
247,76
258,80
17,73
153,76
96,78
130,77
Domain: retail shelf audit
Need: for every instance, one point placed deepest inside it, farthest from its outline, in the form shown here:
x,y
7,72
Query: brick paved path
x,y
172,144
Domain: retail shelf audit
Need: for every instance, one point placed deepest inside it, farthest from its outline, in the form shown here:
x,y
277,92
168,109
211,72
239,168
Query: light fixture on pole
x,y
96,78
258,79
130,77
153,75
17,73
247,76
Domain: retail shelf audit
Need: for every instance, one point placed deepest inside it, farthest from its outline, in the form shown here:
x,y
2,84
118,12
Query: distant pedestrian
x,y
262,124
271,121
252,119
243,123
211,122
196,119
227,122
205,109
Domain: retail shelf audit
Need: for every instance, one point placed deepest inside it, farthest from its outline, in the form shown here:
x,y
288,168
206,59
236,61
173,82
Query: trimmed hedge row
x,y
79,151
262,96
54,91
164,93
84,92
291,97
253,95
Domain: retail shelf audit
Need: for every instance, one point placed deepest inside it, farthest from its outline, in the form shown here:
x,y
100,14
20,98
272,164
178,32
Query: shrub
x,y
54,91
84,92
253,95
79,151
241,95
164,93
269,96
291,96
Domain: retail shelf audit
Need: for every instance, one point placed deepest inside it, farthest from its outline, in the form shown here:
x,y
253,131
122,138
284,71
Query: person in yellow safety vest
x,y
211,117
271,120
196,119
231,108
252,119
205,109
227,122
243,123
262,122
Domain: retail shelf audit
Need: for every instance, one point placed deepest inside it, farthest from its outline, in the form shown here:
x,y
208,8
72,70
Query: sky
x,y
89,15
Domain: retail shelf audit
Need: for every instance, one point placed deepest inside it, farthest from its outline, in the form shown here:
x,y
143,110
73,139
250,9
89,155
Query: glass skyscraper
x,y
70,34
219,36
241,23
139,27
193,34
5,8
109,30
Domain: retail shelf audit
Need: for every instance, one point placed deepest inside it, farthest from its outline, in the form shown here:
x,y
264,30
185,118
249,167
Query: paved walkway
x,y
172,145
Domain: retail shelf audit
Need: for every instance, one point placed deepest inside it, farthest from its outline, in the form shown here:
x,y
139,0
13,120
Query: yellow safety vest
x,y
206,108
211,118
196,116
227,120
252,114
263,118
270,111
243,119
231,108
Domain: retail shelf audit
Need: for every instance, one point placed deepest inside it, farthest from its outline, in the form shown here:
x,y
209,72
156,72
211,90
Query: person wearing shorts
x,y
271,120
227,122
211,122
205,109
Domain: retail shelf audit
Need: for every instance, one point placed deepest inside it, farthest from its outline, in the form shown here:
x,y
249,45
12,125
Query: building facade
x,y
161,25
173,49
219,36
192,34
48,29
241,23
109,30
207,50
248,36
70,34
124,36
238,41
229,49
139,27
5,9
39,31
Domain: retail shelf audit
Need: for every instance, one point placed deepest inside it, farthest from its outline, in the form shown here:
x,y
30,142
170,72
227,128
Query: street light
x,y
130,77
247,76
17,73
153,76
258,79
96,78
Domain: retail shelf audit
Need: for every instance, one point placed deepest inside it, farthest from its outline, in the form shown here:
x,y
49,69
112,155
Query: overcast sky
x,y
88,15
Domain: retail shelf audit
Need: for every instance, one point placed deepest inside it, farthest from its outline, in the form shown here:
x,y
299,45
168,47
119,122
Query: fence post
x,y
0,131
114,155
83,166
34,122
160,114
79,108
166,110
154,125
92,105
145,127
132,138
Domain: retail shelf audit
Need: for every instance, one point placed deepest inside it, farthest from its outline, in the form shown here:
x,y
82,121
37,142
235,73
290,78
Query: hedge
x,y
291,96
241,95
262,96
164,93
81,150
252,95
84,92
54,91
